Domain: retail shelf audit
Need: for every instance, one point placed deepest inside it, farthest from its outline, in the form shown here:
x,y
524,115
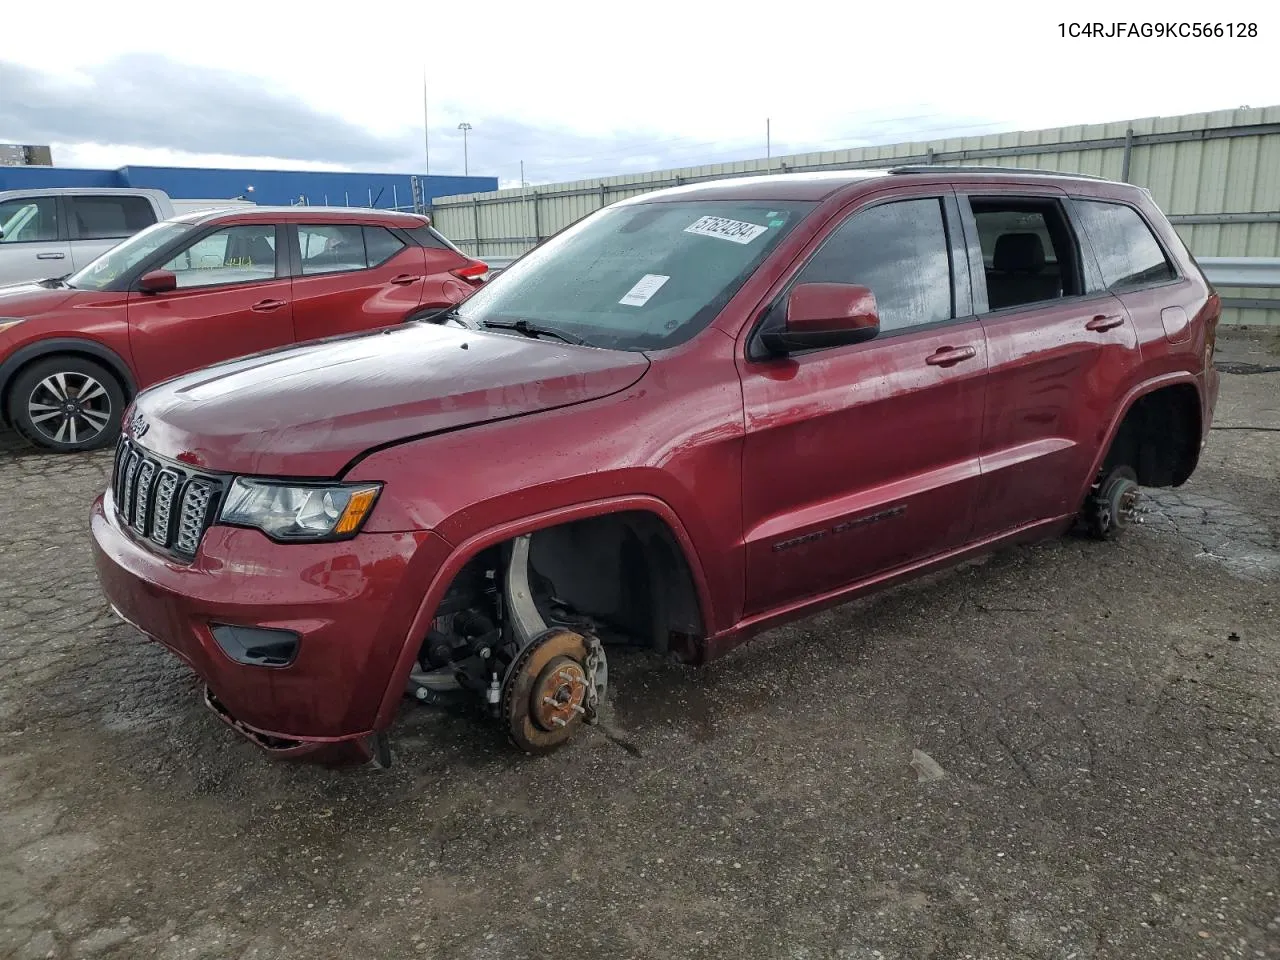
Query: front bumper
x,y
351,605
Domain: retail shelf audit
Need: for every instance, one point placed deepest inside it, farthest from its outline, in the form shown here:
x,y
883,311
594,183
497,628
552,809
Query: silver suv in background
x,y
52,232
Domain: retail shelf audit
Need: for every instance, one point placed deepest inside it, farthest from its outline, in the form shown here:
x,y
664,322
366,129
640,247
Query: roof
x,y
820,185
769,186
301,214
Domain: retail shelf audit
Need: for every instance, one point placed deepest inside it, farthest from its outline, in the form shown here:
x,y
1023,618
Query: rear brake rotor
x,y
544,698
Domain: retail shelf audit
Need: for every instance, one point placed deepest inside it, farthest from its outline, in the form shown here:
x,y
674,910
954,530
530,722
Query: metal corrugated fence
x,y
1217,175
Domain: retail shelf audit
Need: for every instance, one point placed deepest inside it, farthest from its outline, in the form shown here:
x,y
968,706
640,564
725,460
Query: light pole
x,y
464,127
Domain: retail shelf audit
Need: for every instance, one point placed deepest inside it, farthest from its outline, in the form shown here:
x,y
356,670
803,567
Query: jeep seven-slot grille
x,y
167,505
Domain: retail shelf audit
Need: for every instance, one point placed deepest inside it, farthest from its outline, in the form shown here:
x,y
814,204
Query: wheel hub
x,y
547,692
558,694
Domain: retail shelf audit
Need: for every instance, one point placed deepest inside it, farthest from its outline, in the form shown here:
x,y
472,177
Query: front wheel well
x,y
102,358
627,571
1159,437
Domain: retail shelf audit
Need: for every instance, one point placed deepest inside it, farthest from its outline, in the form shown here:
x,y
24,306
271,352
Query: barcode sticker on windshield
x,y
735,230
645,288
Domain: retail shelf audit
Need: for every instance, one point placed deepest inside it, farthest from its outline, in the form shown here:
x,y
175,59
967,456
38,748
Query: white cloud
x,y
616,87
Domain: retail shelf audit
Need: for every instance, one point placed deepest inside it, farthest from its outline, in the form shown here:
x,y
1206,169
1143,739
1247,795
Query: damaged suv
x,y
689,417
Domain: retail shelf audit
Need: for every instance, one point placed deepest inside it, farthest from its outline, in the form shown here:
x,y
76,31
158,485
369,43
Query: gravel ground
x,y
1103,723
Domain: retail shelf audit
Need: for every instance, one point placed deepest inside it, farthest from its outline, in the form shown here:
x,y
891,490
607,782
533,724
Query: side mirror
x,y
824,315
158,281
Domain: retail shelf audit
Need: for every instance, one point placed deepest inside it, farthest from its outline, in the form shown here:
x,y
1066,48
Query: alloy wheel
x,y
69,407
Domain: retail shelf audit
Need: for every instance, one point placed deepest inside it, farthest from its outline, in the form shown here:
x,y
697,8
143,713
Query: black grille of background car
x,y
168,505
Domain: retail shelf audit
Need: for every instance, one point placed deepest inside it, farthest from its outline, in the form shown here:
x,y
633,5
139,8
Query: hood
x,y
308,411
31,299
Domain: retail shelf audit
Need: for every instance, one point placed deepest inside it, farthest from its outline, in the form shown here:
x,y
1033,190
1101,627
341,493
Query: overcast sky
x,y
580,89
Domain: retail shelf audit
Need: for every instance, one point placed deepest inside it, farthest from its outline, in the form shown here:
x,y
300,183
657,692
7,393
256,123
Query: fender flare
x,y
56,345
462,553
1122,410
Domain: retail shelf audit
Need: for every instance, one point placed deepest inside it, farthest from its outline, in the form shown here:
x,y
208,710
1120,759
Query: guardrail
x,y
1241,271
1258,272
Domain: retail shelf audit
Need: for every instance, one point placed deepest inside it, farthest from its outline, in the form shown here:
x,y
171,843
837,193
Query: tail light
x,y
473,272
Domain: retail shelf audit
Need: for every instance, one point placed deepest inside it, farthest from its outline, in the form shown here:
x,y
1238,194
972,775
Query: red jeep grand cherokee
x,y
207,287
691,416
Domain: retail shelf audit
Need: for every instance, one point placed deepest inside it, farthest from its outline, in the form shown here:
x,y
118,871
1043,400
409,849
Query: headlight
x,y
298,511
7,322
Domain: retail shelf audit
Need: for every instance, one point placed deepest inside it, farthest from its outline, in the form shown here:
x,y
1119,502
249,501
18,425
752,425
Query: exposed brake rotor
x,y
550,689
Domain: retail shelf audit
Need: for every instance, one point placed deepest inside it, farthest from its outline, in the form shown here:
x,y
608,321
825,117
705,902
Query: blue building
x,y
267,187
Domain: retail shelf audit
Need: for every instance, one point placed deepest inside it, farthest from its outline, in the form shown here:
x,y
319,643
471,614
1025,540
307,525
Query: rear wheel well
x,y
1159,437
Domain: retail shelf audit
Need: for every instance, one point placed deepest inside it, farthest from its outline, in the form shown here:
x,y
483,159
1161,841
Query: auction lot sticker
x,y
735,230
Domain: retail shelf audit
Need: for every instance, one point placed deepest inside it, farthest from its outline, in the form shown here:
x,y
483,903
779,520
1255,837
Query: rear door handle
x,y
404,279
1104,322
51,256
946,356
266,306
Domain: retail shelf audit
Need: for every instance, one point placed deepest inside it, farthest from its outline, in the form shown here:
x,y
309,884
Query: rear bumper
x,y
349,604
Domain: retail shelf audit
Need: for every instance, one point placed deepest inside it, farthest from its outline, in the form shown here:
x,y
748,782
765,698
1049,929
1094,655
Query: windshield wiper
x,y
52,283
535,330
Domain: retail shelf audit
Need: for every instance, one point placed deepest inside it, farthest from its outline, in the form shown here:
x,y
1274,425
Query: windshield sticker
x,y
645,288
734,230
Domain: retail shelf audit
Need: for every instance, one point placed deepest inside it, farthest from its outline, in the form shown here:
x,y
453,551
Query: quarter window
x,y
29,220
110,218
238,254
899,251
1128,253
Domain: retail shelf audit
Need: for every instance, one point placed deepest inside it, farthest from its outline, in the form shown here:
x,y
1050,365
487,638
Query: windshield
x,y
120,259
640,276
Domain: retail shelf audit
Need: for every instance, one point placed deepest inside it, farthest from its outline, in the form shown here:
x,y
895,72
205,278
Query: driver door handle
x,y
266,306
51,256
946,356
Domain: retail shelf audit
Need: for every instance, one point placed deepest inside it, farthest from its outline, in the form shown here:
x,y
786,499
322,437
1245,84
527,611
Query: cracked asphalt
x,y
1103,722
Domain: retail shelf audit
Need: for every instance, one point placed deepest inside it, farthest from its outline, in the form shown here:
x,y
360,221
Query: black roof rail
x,y
1033,171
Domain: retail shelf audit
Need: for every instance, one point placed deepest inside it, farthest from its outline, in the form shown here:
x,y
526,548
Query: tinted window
x,y
331,248
106,218
231,255
1027,251
380,245
29,219
899,251
1127,251
431,238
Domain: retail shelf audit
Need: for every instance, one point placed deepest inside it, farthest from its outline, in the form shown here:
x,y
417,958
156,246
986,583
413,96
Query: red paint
x,y
152,336
790,483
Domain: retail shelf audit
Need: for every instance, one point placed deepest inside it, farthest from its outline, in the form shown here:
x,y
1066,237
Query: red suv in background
x,y
691,416
206,287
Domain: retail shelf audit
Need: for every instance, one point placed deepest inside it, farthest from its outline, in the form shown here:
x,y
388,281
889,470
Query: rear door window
x,y
109,218
1028,251
1127,251
380,245
331,248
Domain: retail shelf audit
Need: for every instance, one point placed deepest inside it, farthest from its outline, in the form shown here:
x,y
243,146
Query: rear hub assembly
x,y
547,692
1115,506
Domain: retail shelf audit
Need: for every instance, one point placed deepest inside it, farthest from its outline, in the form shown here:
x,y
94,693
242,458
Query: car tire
x,y
67,404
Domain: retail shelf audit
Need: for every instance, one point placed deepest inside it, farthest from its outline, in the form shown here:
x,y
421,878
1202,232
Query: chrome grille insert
x,y
162,506
194,516
142,495
169,506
